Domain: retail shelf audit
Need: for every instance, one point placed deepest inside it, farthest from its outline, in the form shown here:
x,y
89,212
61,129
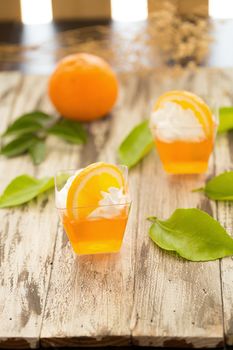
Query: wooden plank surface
x,y
142,296
94,301
178,303
222,92
27,234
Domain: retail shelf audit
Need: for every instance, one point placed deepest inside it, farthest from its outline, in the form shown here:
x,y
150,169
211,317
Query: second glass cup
x,y
184,130
92,229
184,156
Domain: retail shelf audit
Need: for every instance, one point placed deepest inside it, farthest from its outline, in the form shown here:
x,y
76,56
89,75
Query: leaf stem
x,y
152,218
200,189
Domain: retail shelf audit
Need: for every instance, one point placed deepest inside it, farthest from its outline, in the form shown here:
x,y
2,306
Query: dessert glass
x,y
183,156
102,232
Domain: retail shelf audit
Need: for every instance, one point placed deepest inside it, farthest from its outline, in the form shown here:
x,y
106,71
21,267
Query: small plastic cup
x,y
93,230
184,156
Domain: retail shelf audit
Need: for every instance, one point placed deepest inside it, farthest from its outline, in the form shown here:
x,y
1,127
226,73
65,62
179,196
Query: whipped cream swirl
x,y
109,204
173,123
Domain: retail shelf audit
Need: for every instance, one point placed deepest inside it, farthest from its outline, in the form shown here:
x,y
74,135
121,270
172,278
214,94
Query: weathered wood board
x,y
220,85
174,297
140,296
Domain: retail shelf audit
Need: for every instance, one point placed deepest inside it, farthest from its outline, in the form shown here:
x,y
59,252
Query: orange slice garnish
x,y
188,100
85,191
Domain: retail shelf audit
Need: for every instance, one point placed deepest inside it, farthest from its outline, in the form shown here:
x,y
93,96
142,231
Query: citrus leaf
x,y
18,146
136,145
24,188
37,151
30,122
23,127
220,187
192,234
37,115
225,119
70,131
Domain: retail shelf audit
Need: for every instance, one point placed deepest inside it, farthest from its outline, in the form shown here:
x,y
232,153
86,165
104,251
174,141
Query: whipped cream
x,y
110,205
61,195
173,123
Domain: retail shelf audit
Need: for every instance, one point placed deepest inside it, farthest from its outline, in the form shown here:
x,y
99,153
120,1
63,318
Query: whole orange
x,y
83,87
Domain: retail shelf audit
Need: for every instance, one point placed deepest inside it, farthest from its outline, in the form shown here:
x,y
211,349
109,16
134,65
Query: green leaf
x,y
69,130
192,234
136,145
28,123
24,188
37,151
23,127
18,146
225,119
220,187
38,116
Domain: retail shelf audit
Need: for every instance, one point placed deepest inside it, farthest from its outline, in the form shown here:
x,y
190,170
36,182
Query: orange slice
x,y
85,191
188,100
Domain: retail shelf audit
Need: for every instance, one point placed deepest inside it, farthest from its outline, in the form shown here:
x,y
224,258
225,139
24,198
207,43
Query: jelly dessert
x,y
184,129
94,206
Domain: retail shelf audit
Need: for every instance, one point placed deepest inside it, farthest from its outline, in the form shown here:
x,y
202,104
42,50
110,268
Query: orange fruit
x,y
83,87
188,100
85,191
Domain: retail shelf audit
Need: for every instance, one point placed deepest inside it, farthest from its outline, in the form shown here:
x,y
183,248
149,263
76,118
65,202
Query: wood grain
x,y
220,86
93,299
177,303
27,234
142,295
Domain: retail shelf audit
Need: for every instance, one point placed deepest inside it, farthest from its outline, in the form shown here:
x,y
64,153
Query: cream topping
x,y
173,123
109,205
61,195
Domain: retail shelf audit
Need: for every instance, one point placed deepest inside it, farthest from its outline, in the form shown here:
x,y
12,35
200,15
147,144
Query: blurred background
x,y
133,35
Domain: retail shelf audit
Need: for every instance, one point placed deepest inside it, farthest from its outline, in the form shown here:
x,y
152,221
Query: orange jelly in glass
x,y
99,235
93,205
184,130
185,157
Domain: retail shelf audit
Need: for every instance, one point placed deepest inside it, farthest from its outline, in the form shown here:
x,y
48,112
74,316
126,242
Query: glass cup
x,y
92,230
184,156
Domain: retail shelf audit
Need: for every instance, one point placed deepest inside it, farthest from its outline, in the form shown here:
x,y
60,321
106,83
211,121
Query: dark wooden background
x,y
221,50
